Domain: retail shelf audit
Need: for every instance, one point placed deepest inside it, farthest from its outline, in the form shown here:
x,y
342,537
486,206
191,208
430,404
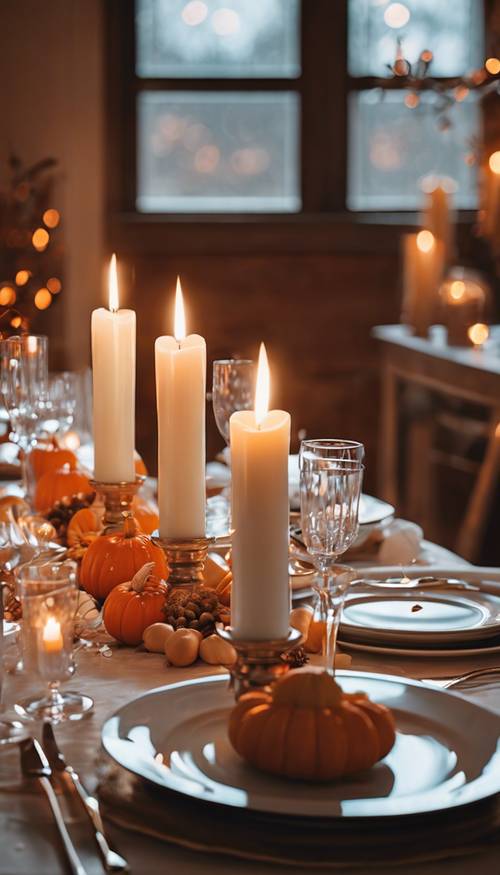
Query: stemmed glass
x,y
49,597
61,403
233,388
331,476
24,387
10,730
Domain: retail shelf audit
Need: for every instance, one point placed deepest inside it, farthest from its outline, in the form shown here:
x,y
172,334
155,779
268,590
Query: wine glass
x,y
61,403
233,388
24,388
10,730
49,597
331,476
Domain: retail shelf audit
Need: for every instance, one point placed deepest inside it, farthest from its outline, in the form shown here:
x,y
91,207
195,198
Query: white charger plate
x,y
176,737
419,617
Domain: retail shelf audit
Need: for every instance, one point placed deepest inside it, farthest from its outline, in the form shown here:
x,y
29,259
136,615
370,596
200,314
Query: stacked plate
x,y
188,785
420,622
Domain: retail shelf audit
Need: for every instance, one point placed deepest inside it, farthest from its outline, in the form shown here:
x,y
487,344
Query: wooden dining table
x,y
29,842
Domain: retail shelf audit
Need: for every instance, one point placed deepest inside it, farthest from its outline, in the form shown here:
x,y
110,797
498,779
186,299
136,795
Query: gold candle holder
x,y
258,663
117,498
185,559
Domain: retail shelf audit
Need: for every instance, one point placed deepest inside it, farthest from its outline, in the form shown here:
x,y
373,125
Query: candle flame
x,y
263,386
425,241
478,333
180,318
32,343
113,285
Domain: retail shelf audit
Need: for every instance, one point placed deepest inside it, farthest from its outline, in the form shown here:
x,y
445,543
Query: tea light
x,y
52,639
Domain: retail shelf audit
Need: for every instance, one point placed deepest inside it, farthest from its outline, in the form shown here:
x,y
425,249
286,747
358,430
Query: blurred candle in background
x,y
491,200
438,214
260,444
52,639
181,364
113,369
423,266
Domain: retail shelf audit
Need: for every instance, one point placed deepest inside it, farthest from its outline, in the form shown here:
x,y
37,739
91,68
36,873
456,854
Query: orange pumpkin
x,y
84,527
145,514
131,607
54,485
45,460
115,558
308,728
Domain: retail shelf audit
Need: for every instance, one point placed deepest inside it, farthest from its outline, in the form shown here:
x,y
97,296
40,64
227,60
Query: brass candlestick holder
x,y
185,559
259,663
117,498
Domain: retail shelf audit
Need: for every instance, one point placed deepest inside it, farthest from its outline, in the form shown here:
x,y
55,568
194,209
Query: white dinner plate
x,y
437,652
419,618
176,737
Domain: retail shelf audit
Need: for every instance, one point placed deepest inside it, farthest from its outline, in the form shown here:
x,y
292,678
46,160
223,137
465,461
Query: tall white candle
x,y
260,444
422,273
491,219
181,364
113,367
438,217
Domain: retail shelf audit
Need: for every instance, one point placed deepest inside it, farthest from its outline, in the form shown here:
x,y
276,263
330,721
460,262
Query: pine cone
x,y
296,658
62,511
199,609
12,609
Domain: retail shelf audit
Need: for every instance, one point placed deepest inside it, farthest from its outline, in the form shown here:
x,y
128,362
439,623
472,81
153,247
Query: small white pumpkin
x,y
156,635
216,651
182,648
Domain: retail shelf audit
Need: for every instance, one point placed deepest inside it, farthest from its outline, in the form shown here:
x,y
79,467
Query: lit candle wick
x,y
263,387
51,636
180,317
113,285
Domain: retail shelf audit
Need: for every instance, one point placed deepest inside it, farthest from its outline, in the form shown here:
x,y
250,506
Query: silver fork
x,y
112,861
34,765
446,683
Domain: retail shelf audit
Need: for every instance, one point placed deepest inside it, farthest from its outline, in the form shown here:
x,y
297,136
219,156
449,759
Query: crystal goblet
x,y
49,596
331,476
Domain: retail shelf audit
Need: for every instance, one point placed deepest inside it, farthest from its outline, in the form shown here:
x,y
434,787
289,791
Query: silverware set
x,y
47,766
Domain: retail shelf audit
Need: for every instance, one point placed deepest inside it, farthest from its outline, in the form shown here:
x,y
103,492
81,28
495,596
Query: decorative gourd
x,y
216,651
54,485
182,647
44,460
155,637
307,728
133,606
145,514
84,527
115,558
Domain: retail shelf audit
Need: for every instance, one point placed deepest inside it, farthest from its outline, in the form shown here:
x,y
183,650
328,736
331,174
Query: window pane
x,y
392,147
451,29
213,38
218,152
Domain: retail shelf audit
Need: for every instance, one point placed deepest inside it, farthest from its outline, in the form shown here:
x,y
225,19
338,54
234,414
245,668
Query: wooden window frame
x,y
324,224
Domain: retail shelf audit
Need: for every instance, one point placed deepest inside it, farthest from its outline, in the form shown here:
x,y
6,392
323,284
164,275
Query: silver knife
x,y
34,765
112,861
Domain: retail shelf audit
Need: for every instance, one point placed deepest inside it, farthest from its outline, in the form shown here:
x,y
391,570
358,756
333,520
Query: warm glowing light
x,y
43,299
412,100
492,65
426,56
457,290
494,162
54,285
22,277
478,333
396,15
425,241
180,317
69,441
225,22
194,13
262,389
51,218
16,322
32,341
51,636
40,239
113,285
7,296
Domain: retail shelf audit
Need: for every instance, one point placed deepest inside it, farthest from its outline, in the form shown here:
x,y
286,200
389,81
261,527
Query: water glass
x,y
49,598
331,476
61,405
10,730
24,387
233,389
